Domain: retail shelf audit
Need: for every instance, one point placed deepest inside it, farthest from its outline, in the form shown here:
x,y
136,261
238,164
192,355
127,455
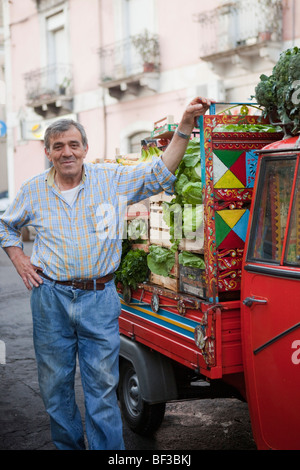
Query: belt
x,y
83,284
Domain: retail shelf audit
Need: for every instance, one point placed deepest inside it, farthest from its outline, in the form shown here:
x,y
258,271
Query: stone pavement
x,y
23,421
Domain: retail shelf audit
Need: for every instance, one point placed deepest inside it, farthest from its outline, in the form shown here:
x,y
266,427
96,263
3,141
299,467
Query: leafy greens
x,y
184,213
133,268
160,260
280,92
186,258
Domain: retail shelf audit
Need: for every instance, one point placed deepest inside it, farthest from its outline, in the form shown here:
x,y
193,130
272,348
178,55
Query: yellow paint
x,y
161,317
228,180
231,217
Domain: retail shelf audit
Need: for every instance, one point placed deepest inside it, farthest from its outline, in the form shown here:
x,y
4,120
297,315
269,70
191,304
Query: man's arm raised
x,y
177,147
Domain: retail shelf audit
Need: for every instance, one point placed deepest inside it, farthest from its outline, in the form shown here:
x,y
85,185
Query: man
x,y
75,306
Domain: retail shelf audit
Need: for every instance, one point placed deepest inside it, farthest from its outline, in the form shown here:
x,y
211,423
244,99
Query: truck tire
x,y
142,418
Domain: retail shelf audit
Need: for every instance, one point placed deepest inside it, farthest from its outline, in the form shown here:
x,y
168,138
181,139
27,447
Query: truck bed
x,y
195,333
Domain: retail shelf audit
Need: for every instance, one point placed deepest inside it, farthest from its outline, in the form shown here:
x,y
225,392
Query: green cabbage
x,y
192,193
137,228
186,258
184,213
192,219
160,260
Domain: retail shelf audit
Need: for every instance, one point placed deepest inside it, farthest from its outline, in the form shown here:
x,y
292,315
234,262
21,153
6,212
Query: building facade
x,y
117,66
3,127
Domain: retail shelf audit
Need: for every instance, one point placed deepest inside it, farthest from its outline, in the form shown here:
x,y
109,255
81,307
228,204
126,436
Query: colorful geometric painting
x,y
234,168
231,228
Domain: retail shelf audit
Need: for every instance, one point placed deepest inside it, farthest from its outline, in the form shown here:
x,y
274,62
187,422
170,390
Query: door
x,y
138,16
57,53
271,305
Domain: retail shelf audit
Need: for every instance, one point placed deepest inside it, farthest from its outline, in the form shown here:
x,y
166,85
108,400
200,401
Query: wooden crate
x,y
171,283
192,281
141,246
161,197
159,231
166,282
139,210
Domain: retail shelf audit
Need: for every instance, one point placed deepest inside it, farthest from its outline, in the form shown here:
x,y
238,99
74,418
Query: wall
x,y
110,123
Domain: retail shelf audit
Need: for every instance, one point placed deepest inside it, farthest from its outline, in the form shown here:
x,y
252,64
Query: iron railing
x,y
123,59
48,83
242,23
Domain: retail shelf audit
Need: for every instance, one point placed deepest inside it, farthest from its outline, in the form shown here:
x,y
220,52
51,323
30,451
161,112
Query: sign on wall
x,y
3,129
34,130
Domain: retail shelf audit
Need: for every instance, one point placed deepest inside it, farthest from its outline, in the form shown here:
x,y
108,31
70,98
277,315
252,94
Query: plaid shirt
x,y
82,241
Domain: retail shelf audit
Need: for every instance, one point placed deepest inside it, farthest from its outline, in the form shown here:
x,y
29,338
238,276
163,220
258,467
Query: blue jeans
x,y
68,322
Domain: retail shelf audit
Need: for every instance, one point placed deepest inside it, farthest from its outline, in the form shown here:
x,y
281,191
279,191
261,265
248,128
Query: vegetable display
x,y
279,93
184,213
137,228
246,128
192,260
133,268
160,260
149,150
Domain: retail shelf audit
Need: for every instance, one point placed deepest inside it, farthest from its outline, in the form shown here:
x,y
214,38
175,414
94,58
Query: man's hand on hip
x,y
23,265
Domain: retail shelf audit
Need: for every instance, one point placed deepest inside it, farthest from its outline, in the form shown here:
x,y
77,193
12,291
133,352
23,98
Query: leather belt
x,y
83,284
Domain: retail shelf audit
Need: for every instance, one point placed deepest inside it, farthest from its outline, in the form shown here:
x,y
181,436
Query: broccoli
x,y
279,92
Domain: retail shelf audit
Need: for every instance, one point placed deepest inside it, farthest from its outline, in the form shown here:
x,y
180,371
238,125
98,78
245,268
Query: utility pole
x,y
9,110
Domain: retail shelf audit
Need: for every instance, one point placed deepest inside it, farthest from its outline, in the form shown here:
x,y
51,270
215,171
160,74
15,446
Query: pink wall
x,y
92,122
85,43
25,52
291,19
178,32
120,115
107,22
29,159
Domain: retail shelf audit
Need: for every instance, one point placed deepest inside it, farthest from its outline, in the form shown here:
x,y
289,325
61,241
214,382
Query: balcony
x,y
241,33
49,90
130,66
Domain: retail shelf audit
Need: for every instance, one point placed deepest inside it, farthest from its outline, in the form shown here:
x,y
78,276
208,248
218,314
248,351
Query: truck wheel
x,y
141,417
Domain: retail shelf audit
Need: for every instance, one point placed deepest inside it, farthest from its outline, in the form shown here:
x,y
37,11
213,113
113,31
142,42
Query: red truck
x,y
231,329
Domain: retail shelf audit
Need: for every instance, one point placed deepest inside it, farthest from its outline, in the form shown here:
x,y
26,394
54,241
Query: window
x,y
135,141
57,53
292,254
271,211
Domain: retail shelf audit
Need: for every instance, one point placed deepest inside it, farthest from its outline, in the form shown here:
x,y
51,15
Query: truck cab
x,y
270,318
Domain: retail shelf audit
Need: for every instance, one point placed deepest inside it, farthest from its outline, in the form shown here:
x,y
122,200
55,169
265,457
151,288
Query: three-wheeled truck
x,y
231,329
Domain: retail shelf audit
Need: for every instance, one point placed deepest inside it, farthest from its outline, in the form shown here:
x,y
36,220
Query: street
x,y
220,424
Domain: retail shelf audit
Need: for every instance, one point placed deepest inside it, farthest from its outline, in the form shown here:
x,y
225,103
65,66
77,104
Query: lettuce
x,y
188,187
137,228
192,219
186,258
160,260
184,213
192,193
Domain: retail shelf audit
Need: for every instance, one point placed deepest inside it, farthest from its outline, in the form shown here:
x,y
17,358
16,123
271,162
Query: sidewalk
x,y
23,421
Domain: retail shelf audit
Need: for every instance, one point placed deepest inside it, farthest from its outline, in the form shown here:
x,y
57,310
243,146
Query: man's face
x,y
67,153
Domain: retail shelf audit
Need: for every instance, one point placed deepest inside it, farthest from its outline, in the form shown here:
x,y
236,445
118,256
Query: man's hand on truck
x,y
177,147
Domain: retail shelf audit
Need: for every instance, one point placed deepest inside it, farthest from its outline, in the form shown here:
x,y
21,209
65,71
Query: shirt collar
x,y
51,173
